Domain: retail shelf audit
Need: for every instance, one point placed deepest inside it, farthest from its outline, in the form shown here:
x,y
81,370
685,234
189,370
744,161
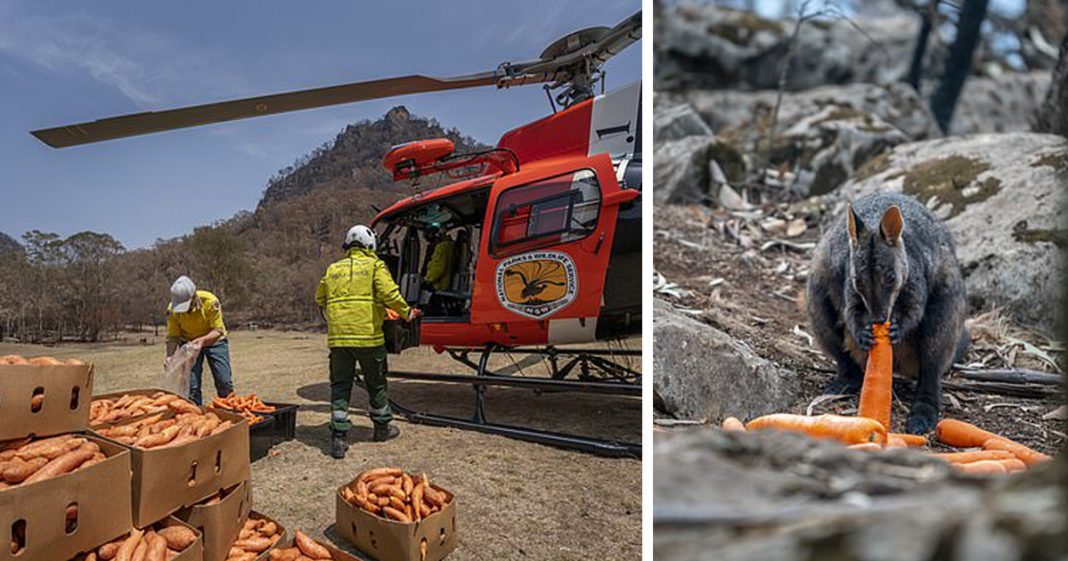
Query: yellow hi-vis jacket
x,y
439,270
354,293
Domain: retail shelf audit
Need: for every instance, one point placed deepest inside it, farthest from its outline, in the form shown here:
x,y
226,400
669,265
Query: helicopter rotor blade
x,y
195,115
558,67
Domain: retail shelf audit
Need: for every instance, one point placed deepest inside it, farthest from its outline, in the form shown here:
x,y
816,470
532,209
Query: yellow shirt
x,y
198,321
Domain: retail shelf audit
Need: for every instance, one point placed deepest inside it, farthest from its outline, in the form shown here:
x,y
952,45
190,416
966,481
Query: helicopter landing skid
x,y
587,360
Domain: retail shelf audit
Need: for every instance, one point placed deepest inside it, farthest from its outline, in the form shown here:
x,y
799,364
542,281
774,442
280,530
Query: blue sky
x,y
63,62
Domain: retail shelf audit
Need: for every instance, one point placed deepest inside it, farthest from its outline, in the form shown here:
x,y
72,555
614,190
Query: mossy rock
x,y
1056,160
949,180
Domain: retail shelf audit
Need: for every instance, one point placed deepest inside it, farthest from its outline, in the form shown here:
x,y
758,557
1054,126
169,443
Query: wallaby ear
x,y
892,224
853,225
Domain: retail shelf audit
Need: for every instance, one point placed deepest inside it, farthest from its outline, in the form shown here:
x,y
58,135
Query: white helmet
x,y
360,235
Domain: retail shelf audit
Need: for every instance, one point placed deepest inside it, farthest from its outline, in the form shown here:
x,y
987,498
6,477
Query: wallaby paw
x,y
895,333
922,420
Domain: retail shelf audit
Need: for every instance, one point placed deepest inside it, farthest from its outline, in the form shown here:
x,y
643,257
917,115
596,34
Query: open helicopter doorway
x,y
432,252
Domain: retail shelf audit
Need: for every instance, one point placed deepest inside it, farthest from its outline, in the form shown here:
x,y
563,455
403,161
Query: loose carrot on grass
x,y
982,467
849,430
877,389
910,440
1023,453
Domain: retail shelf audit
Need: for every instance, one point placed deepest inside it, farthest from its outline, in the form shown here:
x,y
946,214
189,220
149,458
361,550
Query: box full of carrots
x,y
181,458
62,495
43,396
393,515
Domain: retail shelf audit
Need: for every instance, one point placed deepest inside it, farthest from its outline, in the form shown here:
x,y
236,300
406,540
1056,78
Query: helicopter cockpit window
x,y
556,210
432,214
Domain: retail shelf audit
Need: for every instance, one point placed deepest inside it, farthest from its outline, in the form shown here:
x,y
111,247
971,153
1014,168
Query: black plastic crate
x,y
278,426
401,334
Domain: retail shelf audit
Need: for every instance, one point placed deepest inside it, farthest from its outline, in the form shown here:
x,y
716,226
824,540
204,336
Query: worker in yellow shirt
x,y
354,294
194,317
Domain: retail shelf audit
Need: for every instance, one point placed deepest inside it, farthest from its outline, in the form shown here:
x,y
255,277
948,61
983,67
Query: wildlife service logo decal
x,y
537,284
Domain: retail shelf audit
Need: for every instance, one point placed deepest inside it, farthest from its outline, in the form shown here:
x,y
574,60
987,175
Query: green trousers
x,y
372,362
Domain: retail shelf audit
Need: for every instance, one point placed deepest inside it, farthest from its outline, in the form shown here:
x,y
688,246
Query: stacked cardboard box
x,y
59,517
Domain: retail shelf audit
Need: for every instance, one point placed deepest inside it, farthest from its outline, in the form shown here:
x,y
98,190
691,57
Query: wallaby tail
x,y
963,344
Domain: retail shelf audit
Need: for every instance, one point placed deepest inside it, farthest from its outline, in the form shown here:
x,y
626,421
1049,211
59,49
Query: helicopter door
x,y
551,228
410,285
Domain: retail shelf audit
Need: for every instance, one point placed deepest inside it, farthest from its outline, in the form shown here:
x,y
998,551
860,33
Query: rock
x,y
785,497
1000,104
707,46
703,373
676,122
1001,196
684,170
728,110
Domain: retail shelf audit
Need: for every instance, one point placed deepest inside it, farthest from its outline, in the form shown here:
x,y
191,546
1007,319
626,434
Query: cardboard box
x,y
166,479
67,391
389,540
117,395
194,552
33,517
219,523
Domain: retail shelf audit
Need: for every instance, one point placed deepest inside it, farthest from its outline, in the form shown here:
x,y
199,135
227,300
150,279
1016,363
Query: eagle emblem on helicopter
x,y
537,284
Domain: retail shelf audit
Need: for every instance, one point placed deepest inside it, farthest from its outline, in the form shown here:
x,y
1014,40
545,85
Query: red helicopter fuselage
x,y
545,239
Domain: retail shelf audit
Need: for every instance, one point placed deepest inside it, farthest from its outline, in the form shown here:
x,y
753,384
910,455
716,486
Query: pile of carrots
x,y
256,536
246,406
155,431
391,493
133,405
869,429
38,361
23,462
305,549
150,545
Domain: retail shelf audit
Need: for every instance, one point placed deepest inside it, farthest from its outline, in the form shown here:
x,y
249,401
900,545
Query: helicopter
x,y
545,226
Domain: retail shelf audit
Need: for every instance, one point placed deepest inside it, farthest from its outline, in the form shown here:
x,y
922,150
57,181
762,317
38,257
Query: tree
x,y
1052,116
91,289
219,262
958,62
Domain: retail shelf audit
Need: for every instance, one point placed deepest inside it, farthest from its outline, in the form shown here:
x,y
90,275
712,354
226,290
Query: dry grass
x,y
515,500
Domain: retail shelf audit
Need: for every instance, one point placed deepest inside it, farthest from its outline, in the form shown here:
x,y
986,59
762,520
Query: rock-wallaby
x,y
889,258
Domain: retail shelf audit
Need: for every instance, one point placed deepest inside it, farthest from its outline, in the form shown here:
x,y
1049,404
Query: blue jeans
x,y
218,356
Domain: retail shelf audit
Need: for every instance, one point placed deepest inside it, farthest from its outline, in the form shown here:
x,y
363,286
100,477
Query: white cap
x,y
182,292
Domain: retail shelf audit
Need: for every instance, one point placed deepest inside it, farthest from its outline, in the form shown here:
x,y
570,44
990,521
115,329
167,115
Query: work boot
x,y
385,431
339,444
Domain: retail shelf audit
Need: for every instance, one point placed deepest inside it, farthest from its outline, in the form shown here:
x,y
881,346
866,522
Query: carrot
x,y
64,464
974,456
18,470
1013,465
865,446
378,472
876,392
417,500
126,550
1023,453
310,548
849,430
733,424
982,467
910,440
894,441
397,515
961,434
45,361
178,538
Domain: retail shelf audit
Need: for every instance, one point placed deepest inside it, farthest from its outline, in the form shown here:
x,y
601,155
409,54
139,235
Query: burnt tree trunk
x,y
926,23
1052,116
958,62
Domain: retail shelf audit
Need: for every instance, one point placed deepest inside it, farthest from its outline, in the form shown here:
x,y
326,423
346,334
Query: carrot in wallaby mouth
x,y
876,392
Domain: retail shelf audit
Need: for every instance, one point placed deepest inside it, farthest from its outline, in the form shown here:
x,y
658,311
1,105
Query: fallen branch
x,y
1013,376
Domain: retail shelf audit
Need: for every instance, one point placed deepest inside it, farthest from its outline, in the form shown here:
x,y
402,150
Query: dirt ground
x,y
727,278
515,500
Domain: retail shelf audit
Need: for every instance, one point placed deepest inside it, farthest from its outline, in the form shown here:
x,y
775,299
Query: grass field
x,y
515,500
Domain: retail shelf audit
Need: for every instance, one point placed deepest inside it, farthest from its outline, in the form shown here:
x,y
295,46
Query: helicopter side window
x,y
551,211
